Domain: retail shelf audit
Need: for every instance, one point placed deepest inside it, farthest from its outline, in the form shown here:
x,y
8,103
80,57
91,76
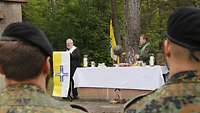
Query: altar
x,y
100,82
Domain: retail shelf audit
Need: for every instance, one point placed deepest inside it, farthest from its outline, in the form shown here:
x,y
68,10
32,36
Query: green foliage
x,y
154,15
85,21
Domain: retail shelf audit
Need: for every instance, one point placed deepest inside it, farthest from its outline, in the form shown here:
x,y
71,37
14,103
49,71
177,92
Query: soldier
x,y
181,94
24,60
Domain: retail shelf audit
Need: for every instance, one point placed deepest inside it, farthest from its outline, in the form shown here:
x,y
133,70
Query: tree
x,y
86,21
115,20
132,20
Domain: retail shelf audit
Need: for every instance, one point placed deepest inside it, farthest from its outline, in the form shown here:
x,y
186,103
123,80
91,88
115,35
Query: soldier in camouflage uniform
x,y
24,60
181,94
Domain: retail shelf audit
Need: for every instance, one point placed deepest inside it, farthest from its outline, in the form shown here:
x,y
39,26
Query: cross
x,y
61,74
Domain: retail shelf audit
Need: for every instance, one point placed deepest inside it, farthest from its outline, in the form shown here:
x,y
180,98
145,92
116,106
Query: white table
x,y
143,78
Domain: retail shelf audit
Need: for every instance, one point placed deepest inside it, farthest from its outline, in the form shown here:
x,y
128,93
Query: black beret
x,y
184,27
28,33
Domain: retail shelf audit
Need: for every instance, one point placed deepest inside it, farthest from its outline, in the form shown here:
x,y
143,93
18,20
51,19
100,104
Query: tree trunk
x,y
132,21
10,12
116,23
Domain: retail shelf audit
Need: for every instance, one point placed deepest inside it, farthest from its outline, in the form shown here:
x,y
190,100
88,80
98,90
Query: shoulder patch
x,y
134,100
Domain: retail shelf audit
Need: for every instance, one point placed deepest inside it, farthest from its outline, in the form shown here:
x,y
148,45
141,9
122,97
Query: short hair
x,y
23,49
183,52
20,61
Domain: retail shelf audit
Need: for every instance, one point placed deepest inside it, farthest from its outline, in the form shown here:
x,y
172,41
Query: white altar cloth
x,y
142,78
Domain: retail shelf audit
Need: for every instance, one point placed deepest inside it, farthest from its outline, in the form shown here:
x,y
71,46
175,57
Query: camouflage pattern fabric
x,y
181,94
30,99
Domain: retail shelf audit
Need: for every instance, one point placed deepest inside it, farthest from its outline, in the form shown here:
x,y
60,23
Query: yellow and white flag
x,y
113,43
61,75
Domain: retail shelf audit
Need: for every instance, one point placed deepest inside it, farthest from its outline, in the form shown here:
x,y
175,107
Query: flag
x,y
113,43
61,75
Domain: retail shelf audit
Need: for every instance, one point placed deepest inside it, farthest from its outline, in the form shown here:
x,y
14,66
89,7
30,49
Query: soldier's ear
x,y
46,65
167,49
1,70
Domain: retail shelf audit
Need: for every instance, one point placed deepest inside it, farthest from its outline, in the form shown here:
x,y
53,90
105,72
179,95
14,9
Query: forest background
x,y
87,23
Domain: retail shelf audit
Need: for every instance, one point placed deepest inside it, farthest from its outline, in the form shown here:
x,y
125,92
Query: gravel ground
x,y
98,106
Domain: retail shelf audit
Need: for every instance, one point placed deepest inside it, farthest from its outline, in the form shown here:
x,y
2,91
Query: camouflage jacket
x,y
30,99
181,94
